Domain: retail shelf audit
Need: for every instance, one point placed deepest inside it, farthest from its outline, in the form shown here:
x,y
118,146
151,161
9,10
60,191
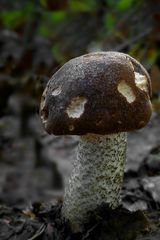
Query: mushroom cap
x,y
100,92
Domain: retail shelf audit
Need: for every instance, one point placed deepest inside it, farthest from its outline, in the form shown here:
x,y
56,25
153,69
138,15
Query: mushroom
x,y
100,97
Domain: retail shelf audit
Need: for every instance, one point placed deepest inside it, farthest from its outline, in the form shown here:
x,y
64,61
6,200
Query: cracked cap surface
x,y
101,92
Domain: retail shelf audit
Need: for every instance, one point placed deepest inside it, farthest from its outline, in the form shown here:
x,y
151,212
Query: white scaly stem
x,y
96,177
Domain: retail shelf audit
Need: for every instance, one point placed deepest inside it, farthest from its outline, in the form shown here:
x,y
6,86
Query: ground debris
x,y
103,224
47,223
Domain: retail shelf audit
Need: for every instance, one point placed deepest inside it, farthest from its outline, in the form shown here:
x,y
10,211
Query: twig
x,y
39,232
131,41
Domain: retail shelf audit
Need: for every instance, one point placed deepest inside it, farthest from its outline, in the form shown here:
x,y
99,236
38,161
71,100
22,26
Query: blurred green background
x,y
37,37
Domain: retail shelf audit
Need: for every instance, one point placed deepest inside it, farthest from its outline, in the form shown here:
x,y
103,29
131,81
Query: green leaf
x,y
134,48
11,19
57,16
43,3
43,30
83,5
14,18
152,56
123,4
57,53
109,21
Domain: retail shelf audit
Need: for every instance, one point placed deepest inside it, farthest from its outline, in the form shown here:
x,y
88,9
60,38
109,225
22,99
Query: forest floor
x,y
32,171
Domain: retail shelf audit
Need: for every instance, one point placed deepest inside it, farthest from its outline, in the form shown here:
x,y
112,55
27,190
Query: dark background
x,y
37,38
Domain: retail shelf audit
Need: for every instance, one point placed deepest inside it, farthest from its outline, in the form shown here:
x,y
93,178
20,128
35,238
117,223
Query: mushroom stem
x,y
96,177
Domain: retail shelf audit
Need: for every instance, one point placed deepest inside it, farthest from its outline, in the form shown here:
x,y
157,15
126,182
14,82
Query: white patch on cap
x,y
44,116
56,91
126,91
76,107
43,102
141,81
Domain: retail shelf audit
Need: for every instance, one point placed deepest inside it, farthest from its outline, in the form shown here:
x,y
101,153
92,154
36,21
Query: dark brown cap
x,y
101,92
